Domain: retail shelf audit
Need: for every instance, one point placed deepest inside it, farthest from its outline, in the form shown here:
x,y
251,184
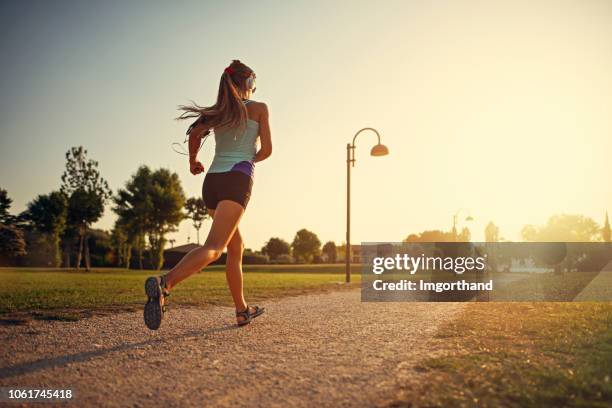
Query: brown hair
x,y
228,111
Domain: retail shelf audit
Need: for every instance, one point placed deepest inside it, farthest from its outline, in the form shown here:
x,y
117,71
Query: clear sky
x,y
504,108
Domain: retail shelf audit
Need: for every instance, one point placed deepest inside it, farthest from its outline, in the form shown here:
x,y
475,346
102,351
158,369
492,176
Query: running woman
x,y
238,122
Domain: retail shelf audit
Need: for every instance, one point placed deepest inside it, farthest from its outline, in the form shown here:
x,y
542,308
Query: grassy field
x,y
66,294
497,354
520,355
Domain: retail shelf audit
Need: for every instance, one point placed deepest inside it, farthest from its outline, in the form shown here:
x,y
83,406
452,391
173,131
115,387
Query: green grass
x,y
67,293
521,355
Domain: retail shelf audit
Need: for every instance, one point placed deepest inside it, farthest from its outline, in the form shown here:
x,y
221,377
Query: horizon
x,y
523,90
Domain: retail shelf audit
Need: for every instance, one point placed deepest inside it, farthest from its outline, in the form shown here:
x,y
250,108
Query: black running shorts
x,y
231,185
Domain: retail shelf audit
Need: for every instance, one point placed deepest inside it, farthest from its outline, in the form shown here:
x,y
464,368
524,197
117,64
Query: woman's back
x,y
236,148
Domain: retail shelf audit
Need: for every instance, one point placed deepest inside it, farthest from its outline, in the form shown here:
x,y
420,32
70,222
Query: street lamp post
x,y
378,150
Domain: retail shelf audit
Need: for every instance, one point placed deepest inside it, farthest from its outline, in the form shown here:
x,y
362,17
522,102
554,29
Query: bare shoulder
x,y
259,107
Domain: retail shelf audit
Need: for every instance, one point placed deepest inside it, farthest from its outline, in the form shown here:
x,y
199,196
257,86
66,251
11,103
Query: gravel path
x,y
341,352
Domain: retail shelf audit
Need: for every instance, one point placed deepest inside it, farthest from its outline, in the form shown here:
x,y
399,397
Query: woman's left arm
x,y
265,135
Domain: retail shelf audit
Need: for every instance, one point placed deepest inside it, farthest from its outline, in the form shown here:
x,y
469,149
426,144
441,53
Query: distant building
x,y
173,255
357,252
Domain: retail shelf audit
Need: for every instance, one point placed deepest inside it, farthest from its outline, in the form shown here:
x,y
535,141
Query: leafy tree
x,y
330,251
48,214
84,208
431,236
465,235
126,235
306,245
605,233
101,247
491,232
563,228
87,193
133,207
167,198
5,204
254,257
284,259
150,206
341,251
276,247
12,243
69,240
119,242
196,211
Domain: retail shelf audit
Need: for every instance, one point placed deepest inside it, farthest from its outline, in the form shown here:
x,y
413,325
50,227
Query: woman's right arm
x,y
195,138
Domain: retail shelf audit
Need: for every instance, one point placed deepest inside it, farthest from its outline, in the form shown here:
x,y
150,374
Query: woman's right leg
x,y
233,270
225,222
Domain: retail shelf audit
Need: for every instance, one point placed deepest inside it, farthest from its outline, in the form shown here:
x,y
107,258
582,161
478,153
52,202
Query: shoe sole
x,y
153,309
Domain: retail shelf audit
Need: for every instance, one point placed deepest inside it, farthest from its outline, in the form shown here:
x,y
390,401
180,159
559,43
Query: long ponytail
x,y
228,111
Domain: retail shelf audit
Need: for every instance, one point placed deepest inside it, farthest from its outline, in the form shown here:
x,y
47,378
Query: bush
x,y
283,259
255,259
40,252
12,243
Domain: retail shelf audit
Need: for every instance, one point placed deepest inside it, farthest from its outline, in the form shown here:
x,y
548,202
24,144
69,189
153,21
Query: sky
x,y
501,108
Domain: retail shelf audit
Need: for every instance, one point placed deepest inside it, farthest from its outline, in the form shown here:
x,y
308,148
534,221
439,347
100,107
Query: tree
x,y
330,251
84,208
341,251
101,247
275,247
150,206
5,204
491,232
431,236
48,215
126,236
133,207
167,198
465,235
306,245
196,211
12,243
87,193
563,228
605,233
69,239
119,241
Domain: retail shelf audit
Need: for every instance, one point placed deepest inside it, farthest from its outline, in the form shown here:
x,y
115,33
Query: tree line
x,y
64,216
151,205
558,228
305,248
148,208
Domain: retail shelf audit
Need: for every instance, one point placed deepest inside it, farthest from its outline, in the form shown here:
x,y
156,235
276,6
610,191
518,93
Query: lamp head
x,y
379,150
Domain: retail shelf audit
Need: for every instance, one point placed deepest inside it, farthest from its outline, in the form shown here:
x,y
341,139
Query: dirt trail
x,y
314,350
